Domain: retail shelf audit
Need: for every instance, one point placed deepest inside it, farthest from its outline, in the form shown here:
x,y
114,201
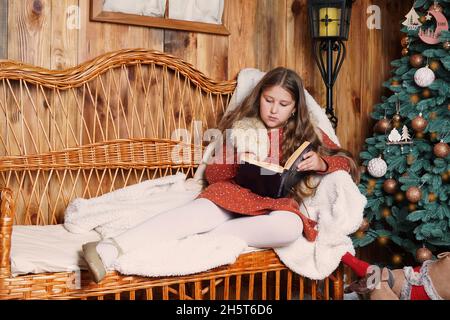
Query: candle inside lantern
x,y
329,28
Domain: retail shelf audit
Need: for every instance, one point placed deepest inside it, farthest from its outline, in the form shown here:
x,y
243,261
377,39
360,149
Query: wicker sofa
x,y
103,125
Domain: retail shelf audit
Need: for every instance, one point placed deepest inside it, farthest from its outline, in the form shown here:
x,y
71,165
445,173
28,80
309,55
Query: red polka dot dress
x,y
226,193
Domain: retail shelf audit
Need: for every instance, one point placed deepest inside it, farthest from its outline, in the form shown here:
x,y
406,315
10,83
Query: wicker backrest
x,y
102,125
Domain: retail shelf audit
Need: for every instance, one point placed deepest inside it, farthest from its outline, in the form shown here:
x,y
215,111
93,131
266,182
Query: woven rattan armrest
x,y
6,223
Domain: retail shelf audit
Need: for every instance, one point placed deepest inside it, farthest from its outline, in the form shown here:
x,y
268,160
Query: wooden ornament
x,y
414,194
416,60
419,123
431,36
441,150
423,254
390,186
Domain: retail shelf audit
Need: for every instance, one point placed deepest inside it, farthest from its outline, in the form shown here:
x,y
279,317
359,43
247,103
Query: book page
x,y
266,165
296,154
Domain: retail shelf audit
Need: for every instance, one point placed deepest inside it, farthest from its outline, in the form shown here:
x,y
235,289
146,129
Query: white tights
x,y
276,229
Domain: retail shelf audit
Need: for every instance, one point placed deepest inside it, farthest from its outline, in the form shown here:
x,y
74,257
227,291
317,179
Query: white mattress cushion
x,y
41,249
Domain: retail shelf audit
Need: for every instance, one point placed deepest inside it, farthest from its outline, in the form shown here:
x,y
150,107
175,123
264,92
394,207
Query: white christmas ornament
x,y
377,167
394,136
412,20
424,77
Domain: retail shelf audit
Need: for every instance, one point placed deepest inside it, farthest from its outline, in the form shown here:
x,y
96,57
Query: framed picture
x,y
204,16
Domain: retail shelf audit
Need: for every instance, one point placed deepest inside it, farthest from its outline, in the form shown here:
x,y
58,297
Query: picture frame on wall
x,y
204,16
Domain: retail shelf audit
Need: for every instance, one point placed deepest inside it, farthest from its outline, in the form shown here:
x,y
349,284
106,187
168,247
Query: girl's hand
x,y
312,162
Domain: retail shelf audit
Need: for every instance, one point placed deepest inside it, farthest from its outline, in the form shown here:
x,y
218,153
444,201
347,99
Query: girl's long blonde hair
x,y
297,130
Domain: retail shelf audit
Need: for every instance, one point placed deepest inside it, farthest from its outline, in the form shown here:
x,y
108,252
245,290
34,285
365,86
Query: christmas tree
x,y
407,174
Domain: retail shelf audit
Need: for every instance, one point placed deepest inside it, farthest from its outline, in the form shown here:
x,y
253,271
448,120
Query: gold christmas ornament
x,y
386,212
432,197
423,19
405,52
399,197
364,225
359,234
414,194
397,118
423,254
446,45
382,240
416,60
372,182
390,186
441,150
397,124
435,65
433,136
419,123
395,83
404,41
382,126
419,135
414,98
426,93
445,176
396,259
412,207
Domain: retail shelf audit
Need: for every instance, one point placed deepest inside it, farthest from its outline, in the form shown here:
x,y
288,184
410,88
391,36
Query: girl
x,y
277,103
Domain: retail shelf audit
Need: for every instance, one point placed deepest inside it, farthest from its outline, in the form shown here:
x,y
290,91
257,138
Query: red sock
x,y
358,266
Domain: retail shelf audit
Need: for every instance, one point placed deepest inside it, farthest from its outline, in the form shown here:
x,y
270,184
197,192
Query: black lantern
x,y
329,24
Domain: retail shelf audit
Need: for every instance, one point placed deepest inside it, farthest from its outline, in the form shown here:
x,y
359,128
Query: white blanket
x,y
337,199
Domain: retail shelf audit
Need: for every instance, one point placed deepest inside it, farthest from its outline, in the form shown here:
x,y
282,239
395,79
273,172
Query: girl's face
x,y
276,106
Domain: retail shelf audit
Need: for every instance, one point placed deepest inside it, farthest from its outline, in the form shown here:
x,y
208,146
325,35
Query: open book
x,y
271,180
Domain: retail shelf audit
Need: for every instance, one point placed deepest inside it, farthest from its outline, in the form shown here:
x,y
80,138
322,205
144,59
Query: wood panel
x,y
3,29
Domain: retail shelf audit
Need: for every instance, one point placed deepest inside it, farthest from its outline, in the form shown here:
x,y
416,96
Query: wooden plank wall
x,y
264,34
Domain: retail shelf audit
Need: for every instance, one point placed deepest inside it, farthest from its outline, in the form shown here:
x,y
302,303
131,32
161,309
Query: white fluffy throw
x,y
338,206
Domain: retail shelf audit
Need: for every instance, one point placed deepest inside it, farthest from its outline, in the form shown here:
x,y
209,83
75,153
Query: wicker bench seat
x,y
103,125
